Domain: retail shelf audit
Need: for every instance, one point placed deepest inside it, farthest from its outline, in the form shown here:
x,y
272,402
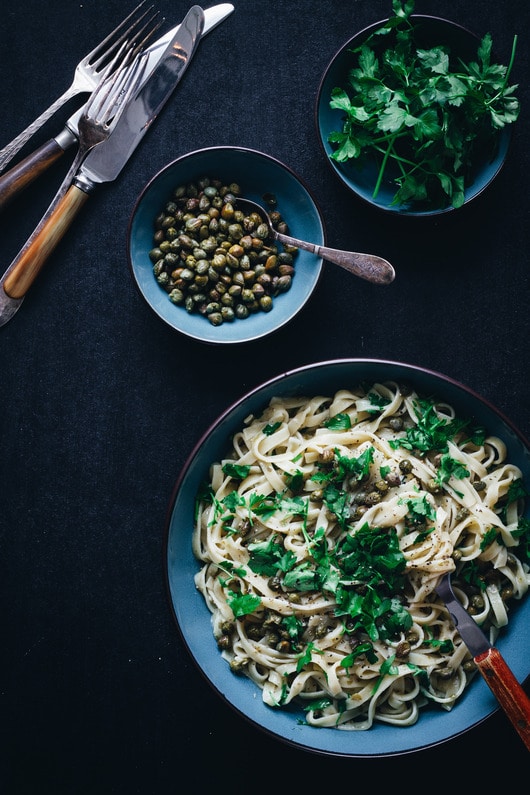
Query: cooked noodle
x,y
322,537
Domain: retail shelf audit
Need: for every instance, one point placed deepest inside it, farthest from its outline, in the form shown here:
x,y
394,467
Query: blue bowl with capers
x,y
207,269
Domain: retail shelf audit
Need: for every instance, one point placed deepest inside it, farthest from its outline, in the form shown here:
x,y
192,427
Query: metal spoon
x,y
367,266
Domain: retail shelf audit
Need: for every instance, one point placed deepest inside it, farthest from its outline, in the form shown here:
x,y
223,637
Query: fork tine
x,y
156,22
110,44
110,98
133,32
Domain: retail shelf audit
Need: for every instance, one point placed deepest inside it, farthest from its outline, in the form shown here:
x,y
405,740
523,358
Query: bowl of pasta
x,y
306,535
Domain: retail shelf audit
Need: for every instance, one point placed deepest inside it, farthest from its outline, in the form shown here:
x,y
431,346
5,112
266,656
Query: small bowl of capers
x,y
210,269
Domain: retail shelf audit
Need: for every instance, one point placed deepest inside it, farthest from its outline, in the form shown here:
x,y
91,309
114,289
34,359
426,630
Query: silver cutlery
x,y
101,115
370,267
489,661
21,175
103,163
133,32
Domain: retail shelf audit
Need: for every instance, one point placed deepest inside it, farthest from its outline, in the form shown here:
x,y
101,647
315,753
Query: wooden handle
x,y
507,691
24,269
21,175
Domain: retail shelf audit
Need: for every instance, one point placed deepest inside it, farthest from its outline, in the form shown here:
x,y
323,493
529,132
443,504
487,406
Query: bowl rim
x,y
504,135
231,414
243,150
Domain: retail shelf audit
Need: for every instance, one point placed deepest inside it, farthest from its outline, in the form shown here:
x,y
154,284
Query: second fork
x,y
132,33
101,115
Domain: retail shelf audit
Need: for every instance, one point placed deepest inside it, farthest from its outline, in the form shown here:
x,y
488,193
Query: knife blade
x,y
489,661
140,112
12,182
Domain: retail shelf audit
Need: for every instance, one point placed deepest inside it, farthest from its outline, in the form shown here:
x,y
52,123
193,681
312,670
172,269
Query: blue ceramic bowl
x,y
257,174
361,179
193,617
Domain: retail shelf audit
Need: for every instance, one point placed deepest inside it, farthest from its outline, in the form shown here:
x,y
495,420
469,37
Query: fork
x,y
489,661
102,112
130,34
100,116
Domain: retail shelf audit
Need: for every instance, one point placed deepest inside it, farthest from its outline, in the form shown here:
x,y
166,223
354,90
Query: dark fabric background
x,y
101,403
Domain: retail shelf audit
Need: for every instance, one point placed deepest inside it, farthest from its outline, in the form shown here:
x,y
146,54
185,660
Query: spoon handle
x,y
367,266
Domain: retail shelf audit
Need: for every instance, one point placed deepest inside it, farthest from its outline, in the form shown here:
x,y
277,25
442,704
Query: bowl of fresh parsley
x,y
414,113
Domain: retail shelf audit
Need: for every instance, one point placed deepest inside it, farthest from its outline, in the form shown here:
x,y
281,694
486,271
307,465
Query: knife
x,y
27,170
103,163
489,662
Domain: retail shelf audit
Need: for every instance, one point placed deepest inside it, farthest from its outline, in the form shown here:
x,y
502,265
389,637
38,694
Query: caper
x,y
186,241
171,260
238,665
227,313
227,212
433,486
381,485
212,258
155,254
265,303
219,261
204,203
262,232
236,251
192,204
476,604
235,231
506,592
283,284
403,649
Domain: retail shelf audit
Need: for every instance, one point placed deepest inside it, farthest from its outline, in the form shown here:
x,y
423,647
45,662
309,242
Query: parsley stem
x,y
501,91
383,165
512,58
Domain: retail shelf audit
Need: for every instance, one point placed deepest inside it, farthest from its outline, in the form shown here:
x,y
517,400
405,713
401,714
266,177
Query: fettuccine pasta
x,y
321,538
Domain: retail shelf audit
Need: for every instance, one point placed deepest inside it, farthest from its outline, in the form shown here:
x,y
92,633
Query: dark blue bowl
x,y
193,617
361,179
258,174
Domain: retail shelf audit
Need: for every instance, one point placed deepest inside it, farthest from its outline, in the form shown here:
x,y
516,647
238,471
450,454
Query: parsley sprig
x,y
426,116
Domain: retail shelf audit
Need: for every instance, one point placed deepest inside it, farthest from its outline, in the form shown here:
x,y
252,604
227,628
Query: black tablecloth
x,y
101,403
